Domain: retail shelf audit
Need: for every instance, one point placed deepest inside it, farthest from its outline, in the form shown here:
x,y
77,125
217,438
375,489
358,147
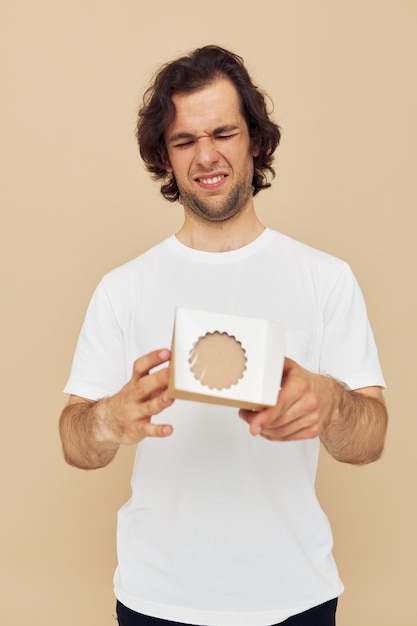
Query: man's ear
x,y
165,160
255,144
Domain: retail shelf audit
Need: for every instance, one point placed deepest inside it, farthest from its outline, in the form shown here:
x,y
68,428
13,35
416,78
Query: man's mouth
x,y
211,181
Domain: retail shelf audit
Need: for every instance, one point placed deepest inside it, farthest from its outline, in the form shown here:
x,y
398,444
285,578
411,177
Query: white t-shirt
x,y
224,528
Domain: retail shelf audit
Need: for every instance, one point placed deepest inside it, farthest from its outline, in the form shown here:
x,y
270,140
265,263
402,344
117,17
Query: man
x,y
223,526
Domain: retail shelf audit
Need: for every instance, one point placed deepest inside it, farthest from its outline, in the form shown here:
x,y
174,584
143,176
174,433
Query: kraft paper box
x,y
226,359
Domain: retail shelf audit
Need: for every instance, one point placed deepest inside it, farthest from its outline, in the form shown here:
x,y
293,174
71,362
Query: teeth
x,y
211,181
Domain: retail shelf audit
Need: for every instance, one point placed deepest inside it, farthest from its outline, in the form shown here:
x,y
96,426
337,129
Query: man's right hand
x,y
125,418
92,431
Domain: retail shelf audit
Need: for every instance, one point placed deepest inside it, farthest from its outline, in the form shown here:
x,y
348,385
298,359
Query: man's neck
x,y
220,236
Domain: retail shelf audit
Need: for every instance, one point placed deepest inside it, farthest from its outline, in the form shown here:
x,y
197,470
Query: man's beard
x,y
221,208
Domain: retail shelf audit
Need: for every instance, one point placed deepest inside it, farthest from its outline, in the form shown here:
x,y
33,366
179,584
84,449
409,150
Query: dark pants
x,y
322,615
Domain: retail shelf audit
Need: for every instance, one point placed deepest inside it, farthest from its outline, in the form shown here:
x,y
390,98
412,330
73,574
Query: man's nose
x,y
206,152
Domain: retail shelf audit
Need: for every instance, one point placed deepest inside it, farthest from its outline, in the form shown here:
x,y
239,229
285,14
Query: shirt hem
x,y
218,618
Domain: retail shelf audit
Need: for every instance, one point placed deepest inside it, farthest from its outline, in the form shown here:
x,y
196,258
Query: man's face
x,y
210,153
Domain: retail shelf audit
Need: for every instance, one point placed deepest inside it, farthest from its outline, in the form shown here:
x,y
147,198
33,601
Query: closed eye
x,y
226,136
184,144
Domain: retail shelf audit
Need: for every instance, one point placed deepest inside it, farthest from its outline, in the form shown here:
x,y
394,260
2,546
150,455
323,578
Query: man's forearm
x,y
81,445
356,431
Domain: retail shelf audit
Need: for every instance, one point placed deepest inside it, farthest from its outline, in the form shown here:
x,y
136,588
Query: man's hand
x,y
351,424
305,405
91,432
125,418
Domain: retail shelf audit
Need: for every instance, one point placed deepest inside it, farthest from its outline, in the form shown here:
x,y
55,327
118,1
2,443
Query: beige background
x,y
75,202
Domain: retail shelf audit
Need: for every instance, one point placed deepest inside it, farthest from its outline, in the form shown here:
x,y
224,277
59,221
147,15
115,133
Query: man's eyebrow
x,y
227,128
179,136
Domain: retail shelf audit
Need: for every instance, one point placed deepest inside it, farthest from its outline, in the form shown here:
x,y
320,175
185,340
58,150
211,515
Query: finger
x,y
142,428
260,420
146,363
150,386
255,419
293,401
306,427
156,404
276,434
283,417
149,429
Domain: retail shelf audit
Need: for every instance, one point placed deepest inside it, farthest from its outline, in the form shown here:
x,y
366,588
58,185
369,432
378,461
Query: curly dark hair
x,y
186,75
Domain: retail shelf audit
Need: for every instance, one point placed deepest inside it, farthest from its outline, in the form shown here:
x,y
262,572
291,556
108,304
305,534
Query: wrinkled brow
x,y
227,128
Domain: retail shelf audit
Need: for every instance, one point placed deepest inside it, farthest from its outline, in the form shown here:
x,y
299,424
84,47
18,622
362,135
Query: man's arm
x,y
92,432
356,431
351,424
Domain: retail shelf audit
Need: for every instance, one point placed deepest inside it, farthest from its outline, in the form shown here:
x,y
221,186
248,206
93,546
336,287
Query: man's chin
x,y
218,207
214,214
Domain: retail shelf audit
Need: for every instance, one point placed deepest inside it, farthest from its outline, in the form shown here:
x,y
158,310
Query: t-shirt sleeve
x,y
349,352
99,365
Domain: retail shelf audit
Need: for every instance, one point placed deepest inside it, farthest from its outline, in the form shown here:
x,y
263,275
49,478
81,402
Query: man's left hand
x,y
304,407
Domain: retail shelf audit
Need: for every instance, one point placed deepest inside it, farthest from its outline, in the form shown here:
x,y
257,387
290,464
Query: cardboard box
x,y
226,359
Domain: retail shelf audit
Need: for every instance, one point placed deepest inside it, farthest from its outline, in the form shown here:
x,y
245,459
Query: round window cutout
x,y
218,360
